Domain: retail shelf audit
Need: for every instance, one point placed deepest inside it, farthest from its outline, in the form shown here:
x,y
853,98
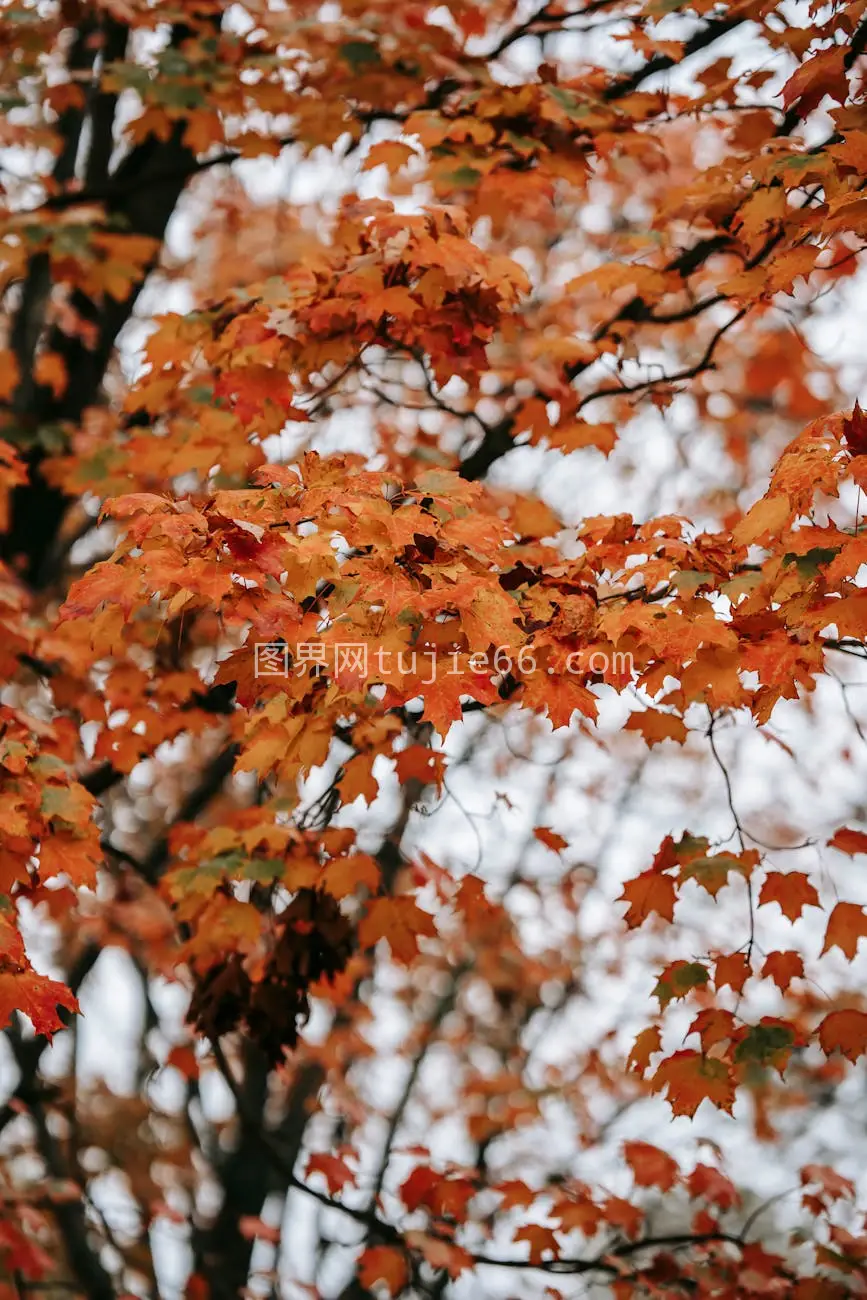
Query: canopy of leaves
x,y
275,567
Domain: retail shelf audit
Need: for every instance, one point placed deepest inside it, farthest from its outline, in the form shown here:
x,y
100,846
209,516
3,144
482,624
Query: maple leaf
x,y
441,1255
666,856
769,1043
713,1025
444,1196
358,781
343,876
71,804
655,726
14,816
622,1214
846,1032
782,968
541,1240
105,582
77,857
763,520
37,996
647,1042
712,872
688,1078
578,433
855,431
385,1264
648,893
335,1171
792,890
732,969
389,153
712,1185
442,702
400,922
824,74
577,1210
419,1187
250,388
556,843
513,1193
679,979
418,763
560,696
847,924
650,1166
849,841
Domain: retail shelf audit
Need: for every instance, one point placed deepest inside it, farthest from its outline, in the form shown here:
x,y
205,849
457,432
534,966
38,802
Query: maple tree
x,y
330,335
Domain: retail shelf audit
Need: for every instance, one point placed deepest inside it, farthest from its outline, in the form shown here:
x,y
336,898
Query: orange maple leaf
x,y
688,1078
550,839
732,969
37,996
647,893
713,1186
849,841
823,74
846,1032
386,1264
418,763
542,1240
782,968
655,727
400,922
713,1025
342,876
650,1166
647,1042
444,1255
846,925
792,890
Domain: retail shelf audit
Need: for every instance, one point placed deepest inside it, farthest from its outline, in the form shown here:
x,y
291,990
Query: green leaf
x,y
226,863
763,1043
809,564
712,871
464,176
690,845
264,870
680,980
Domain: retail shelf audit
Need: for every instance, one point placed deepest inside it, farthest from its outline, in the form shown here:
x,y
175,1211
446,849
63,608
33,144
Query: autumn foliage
x,y
419,429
